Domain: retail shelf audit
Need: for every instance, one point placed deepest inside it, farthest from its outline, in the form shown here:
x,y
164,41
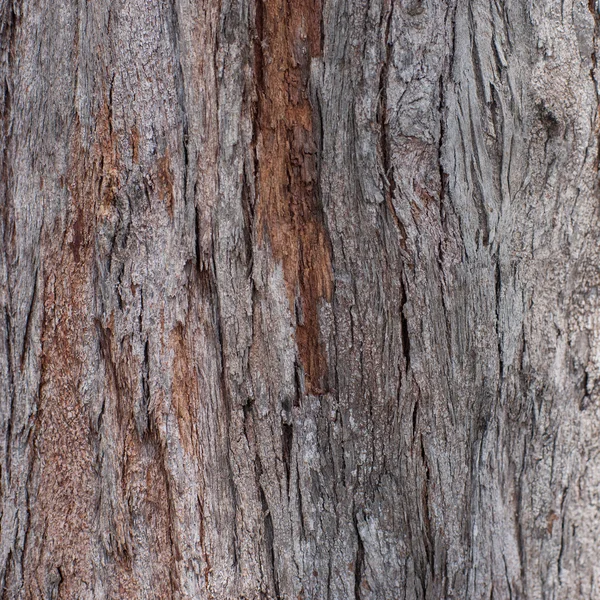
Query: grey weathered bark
x,y
299,299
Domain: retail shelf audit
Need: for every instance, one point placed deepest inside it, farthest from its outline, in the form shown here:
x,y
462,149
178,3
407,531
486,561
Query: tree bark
x,y
299,299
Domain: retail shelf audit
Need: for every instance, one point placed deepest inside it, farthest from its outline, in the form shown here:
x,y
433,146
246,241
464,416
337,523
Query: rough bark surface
x,y
299,299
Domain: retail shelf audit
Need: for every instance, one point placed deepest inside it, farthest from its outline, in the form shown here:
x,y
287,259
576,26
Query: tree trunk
x,y
300,299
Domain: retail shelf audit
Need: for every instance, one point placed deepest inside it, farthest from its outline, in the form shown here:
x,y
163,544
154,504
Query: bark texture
x,y
299,299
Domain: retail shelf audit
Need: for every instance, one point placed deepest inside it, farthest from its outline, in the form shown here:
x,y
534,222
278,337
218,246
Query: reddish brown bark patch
x,y
183,389
66,524
63,514
106,161
288,211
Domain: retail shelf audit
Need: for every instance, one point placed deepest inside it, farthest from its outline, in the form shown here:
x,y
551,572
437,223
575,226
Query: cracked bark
x,y
299,299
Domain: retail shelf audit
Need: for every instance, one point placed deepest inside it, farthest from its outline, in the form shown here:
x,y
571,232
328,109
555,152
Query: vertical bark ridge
x,y
11,489
64,479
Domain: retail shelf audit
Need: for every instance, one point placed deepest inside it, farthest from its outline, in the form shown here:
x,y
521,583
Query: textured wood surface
x,y
299,299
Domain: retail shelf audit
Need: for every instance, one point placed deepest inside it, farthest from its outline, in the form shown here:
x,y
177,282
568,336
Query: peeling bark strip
x,y
288,213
